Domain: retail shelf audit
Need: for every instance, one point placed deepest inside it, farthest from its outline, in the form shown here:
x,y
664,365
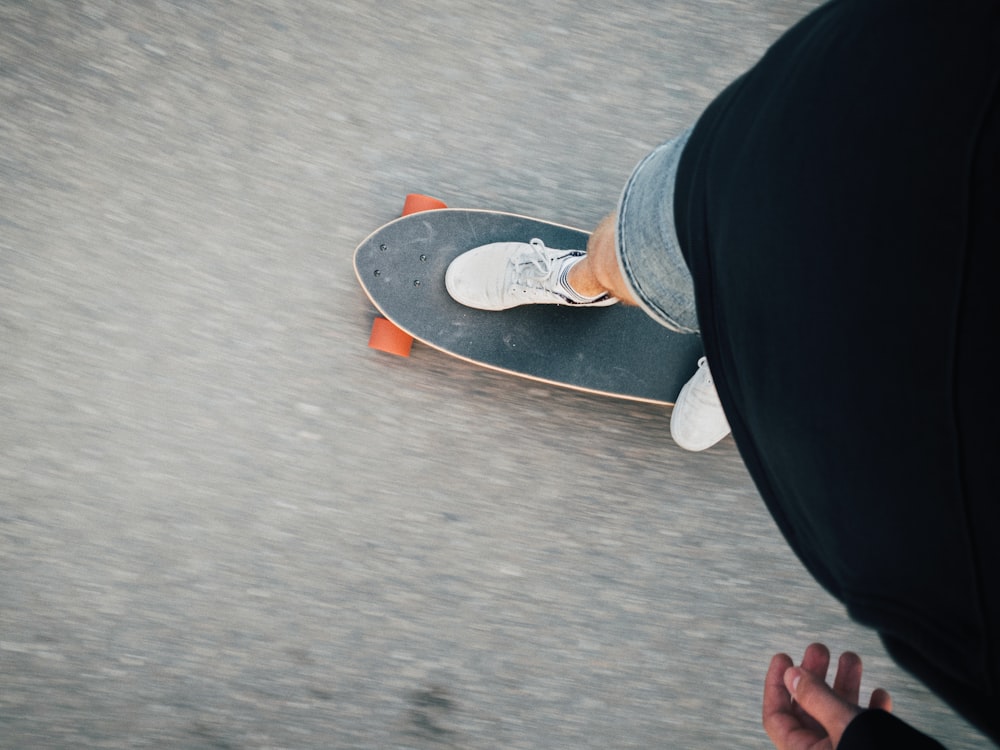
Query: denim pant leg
x,y
649,253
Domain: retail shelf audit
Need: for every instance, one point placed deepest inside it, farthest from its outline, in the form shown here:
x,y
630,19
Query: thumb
x,y
818,700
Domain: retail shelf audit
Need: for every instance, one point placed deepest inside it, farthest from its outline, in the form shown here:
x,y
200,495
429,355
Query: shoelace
x,y
532,265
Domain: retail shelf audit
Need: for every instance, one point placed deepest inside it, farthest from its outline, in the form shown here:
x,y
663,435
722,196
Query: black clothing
x,y
876,730
839,209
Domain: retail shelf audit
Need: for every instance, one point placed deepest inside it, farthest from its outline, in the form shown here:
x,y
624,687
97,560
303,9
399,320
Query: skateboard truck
x,y
387,336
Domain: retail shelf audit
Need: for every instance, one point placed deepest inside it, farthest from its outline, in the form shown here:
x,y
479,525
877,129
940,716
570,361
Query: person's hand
x,y
801,712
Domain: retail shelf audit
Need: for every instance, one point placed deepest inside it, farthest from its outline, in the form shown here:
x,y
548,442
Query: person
x,y
831,228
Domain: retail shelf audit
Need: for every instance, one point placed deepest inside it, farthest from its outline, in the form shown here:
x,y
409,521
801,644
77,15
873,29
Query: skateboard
x,y
615,351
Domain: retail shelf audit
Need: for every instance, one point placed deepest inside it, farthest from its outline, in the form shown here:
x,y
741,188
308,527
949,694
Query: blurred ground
x,y
227,523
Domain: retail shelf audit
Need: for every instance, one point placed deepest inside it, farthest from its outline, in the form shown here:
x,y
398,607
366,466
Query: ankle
x,y
582,280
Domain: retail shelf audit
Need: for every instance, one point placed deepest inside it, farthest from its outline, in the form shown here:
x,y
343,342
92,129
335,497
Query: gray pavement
x,y
225,522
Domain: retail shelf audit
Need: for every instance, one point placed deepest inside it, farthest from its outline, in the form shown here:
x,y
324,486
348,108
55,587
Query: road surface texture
x,y
226,522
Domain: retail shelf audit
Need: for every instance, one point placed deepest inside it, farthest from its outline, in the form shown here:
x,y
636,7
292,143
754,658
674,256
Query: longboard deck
x,y
615,351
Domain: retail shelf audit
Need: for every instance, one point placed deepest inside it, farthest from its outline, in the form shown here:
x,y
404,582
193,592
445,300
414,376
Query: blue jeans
x,y
649,253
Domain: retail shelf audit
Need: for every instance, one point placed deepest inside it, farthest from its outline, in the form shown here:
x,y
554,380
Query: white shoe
x,y
698,421
507,274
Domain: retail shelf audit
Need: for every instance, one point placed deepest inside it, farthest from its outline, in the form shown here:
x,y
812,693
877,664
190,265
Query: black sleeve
x,y
878,730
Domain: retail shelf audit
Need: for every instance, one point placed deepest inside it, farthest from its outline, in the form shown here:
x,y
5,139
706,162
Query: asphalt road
x,y
226,523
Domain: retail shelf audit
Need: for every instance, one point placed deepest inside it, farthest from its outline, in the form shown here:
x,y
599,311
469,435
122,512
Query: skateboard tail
x,y
386,336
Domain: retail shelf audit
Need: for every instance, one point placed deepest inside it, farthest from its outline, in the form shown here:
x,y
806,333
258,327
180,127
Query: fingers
x,y
800,709
774,682
881,700
776,696
820,701
777,716
847,683
816,659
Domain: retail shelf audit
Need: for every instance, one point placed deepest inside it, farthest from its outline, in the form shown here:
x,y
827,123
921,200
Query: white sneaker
x,y
698,421
507,274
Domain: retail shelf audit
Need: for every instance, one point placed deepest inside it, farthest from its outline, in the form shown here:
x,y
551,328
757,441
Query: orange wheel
x,y
387,337
415,202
